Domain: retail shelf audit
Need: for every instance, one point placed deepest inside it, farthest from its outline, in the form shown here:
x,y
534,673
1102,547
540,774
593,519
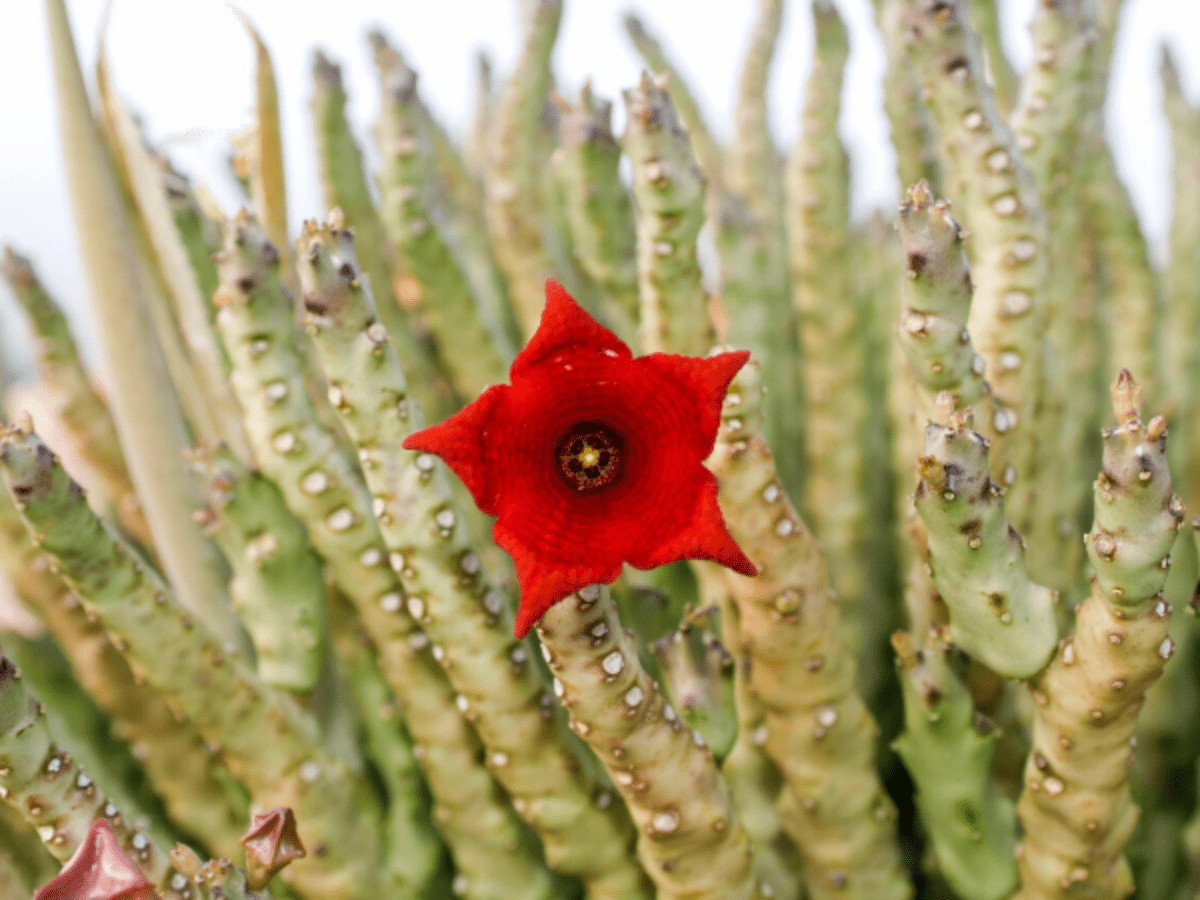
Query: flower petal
x,y
98,870
706,379
704,537
462,441
544,583
565,327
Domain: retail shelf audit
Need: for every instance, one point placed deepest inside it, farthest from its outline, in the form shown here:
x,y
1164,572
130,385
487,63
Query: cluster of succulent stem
x,y
269,652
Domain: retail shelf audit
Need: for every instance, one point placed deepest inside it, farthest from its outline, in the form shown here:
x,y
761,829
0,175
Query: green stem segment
x,y
912,130
513,196
948,749
690,839
1076,808
999,203
1054,114
449,595
669,190
817,729
266,740
198,791
433,282
997,614
709,155
832,338
86,416
278,585
414,855
598,208
323,489
344,184
1181,319
756,297
52,792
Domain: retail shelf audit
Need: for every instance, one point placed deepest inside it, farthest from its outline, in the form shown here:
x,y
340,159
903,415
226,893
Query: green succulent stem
x,y
598,208
1076,808
265,739
756,299
999,203
818,732
86,416
997,614
278,585
513,207
1051,119
669,190
450,596
345,184
912,130
754,780
830,318
324,490
415,857
25,863
1181,282
470,351
985,18
690,839
709,155
50,790
82,729
948,749
196,788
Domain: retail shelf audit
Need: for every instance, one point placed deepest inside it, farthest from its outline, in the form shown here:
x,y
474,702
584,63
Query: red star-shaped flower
x,y
98,870
591,458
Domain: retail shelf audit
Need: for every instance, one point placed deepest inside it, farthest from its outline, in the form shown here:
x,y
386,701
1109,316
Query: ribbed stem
x,y
86,416
690,839
323,489
52,792
598,208
832,337
197,789
998,202
513,167
817,729
344,184
457,605
473,354
1076,808
266,741
669,190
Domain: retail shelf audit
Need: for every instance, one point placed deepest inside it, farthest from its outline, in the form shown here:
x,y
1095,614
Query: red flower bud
x,y
98,870
271,843
591,458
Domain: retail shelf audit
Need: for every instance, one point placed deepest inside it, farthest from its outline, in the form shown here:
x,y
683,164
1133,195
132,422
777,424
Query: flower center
x,y
589,457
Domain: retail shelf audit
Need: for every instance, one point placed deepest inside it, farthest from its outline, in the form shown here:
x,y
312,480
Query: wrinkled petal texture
x,y
661,508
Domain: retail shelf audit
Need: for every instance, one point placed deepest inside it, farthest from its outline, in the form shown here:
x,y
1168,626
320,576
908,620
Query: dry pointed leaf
x,y
267,184
145,172
147,412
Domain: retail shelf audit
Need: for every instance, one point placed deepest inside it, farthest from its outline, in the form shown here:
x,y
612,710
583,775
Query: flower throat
x,y
589,456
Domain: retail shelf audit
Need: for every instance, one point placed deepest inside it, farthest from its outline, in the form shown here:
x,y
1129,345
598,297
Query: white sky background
x,y
186,66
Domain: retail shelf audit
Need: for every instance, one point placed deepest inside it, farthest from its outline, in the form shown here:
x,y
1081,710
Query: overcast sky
x,y
186,67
